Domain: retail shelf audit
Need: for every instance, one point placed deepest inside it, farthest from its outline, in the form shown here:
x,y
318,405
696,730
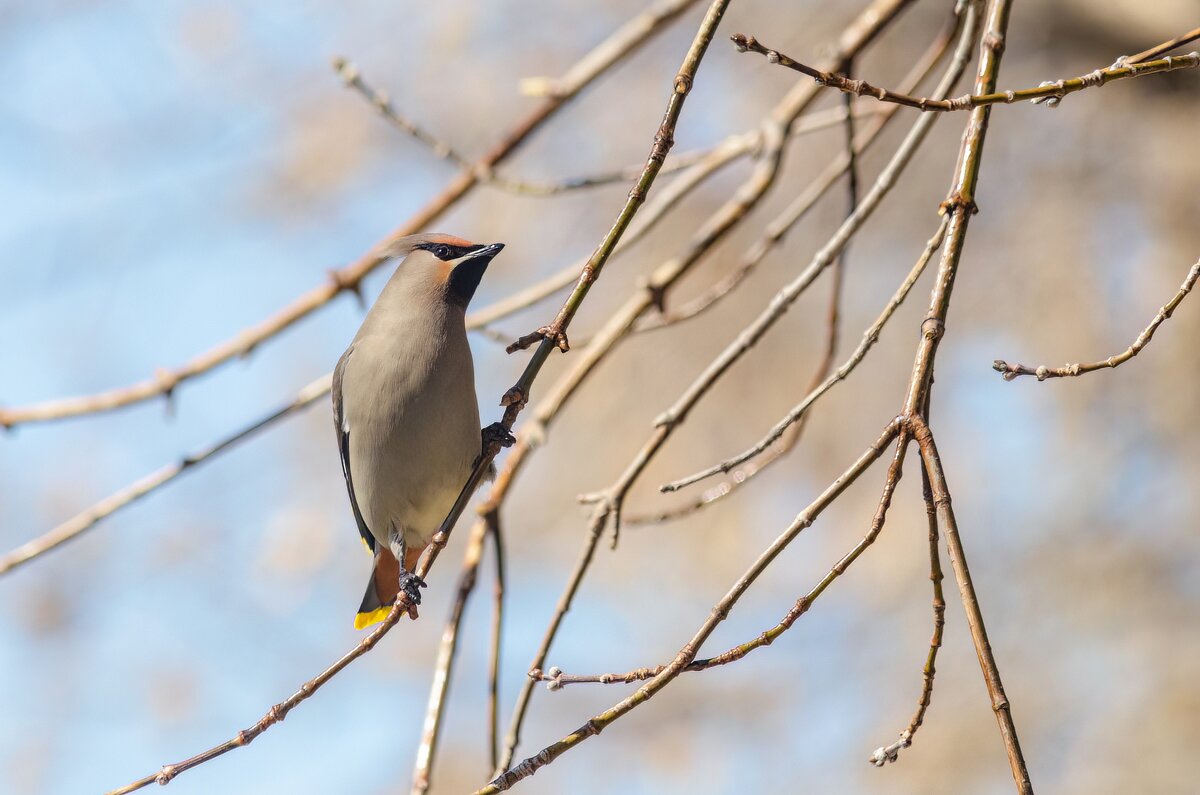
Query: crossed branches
x,y
651,306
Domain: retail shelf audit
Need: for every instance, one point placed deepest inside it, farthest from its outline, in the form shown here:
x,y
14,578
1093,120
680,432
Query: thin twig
x,y
857,36
106,507
778,305
556,679
444,668
800,410
492,521
728,151
743,475
1165,47
352,76
514,401
891,753
1011,371
620,44
1049,91
966,587
960,205
718,614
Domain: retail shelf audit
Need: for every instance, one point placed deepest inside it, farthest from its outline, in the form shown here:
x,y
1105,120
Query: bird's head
x,y
443,264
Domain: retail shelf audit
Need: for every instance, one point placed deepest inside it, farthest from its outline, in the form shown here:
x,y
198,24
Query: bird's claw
x,y
496,433
410,586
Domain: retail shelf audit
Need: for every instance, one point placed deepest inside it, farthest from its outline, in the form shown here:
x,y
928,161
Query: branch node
x,y
551,332
933,328
516,396
1054,99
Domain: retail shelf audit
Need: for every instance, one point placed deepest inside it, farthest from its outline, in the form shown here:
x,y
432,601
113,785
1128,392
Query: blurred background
x,y
172,172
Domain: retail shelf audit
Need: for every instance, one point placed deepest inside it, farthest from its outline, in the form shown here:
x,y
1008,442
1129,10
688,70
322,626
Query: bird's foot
x,y
496,433
410,586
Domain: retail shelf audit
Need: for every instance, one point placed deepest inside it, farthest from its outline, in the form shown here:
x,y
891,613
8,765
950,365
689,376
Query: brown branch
x,y
1050,92
891,753
1011,371
966,587
800,410
514,401
778,305
81,522
960,205
687,654
556,679
492,522
444,666
1165,47
620,325
621,43
352,76
860,33
741,476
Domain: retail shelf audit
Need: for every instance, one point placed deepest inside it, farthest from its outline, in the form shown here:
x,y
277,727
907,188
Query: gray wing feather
x,y
343,439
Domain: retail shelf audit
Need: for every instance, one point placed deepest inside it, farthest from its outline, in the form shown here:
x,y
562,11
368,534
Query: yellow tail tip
x,y
364,620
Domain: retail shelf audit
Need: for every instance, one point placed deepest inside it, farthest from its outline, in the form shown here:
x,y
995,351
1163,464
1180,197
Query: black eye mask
x,y
446,252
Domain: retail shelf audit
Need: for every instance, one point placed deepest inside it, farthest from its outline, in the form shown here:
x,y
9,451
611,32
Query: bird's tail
x,y
381,589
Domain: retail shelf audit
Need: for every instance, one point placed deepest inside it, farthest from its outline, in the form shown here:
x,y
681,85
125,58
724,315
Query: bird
x,y
405,412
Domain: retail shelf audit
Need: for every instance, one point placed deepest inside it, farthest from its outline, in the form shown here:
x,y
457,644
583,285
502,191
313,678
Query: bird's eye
x,y
442,252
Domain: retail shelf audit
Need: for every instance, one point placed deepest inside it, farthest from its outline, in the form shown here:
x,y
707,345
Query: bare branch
x,y
800,411
492,522
1165,47
1050,92
623,42
106,507
514,401
718,614
556,679
443,668
609,503
1011,371
960,205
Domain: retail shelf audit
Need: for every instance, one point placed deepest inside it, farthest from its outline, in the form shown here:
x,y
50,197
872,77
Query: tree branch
x,y
1042,372
1050,92
620,44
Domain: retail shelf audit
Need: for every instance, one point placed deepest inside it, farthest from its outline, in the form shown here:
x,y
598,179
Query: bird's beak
x,y
486,253
468,271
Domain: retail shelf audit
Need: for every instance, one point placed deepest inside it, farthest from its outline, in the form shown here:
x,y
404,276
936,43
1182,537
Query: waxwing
x,y
405,412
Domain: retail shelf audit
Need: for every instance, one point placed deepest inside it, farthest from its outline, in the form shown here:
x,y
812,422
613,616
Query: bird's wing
x,y
342,428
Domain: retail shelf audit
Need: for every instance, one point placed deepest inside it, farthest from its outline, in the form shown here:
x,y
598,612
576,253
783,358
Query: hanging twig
x,y
1011,371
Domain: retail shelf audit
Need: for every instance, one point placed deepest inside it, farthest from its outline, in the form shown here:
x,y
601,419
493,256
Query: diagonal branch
x,y
556,679
861,33
620,44
800,411
719,613
514,401
118,500
1011,371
